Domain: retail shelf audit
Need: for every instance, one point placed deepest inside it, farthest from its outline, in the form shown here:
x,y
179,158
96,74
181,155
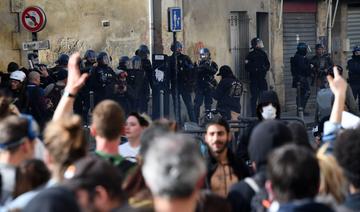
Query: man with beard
x,y
224,168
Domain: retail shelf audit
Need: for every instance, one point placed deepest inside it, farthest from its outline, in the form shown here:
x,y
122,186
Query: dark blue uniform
x,y
301,71
257,64
354,76
228,94
103,81
185,81
205,85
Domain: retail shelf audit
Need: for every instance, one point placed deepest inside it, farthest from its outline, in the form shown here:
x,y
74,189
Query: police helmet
x,y
135,62
204,54
302,46
90,56
123,61
62,60
257,43
143,51
356,49
176,46
103,59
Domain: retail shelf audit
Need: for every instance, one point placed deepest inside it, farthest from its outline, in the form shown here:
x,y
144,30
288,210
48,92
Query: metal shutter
x,y
302,25
239,41
353,27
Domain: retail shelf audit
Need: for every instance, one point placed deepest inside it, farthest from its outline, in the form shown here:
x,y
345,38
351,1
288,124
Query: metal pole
x,y
91,107
161,104
300,111
329,27
177,102
34,38
151,26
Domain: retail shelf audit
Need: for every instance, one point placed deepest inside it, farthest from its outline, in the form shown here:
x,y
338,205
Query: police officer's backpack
x,y
55,95
236,89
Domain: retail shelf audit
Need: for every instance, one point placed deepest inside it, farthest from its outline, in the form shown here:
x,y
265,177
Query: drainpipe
x,y
335,10
151,27
329,27
280,13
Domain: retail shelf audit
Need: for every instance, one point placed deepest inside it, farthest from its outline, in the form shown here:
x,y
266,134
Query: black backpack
x,y
55,95
236,89
260,201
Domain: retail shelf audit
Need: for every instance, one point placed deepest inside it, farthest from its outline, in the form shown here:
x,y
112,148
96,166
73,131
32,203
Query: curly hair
x,y
347,153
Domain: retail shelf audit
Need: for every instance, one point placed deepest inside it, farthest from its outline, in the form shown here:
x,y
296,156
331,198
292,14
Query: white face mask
x,y
269,112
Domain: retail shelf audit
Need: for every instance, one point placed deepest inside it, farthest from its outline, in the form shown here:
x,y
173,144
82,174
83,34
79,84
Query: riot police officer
x,y
205,81
320,64
122,90
257,64
82,100
143,52
102,79
185,79
88,61
301,71
354,73
61,63
136,84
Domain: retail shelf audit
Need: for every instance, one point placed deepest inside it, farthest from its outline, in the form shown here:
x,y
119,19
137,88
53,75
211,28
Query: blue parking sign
x,y
175,19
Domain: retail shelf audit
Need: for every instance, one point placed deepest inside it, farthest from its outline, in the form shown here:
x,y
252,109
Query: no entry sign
x,y
33,19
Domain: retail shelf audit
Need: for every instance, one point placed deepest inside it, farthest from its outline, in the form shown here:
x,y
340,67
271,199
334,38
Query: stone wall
x,y
76,26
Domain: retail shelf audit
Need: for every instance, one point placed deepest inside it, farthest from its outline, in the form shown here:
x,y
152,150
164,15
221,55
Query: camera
x,y
330,70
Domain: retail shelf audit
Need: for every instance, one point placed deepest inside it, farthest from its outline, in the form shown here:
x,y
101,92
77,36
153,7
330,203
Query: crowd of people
x,y
158,169
145,164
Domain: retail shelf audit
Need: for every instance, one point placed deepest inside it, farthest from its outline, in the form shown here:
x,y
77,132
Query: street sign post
x,y
36,45
174,19
33,19
175,25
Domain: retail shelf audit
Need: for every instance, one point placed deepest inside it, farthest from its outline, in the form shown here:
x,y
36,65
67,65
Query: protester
x,y
38,104
31,176
18,90
228,94
135,125
224,168
265,137
299,134
65,143
54,199
174,171
290,168
332,184
108,123
97,185
17,136
268,108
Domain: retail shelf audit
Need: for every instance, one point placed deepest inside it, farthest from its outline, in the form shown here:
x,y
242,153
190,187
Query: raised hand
x,y
75,79
337,84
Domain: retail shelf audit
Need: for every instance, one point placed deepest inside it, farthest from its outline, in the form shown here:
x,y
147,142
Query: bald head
x,y
34,77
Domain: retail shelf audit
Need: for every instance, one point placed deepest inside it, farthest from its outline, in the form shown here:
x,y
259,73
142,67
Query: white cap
x,y
18,75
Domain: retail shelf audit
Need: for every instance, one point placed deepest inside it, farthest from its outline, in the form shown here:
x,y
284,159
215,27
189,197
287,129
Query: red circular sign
x,y
33,19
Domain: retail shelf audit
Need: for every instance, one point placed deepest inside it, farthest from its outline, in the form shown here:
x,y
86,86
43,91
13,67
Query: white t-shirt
x,y
129,152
